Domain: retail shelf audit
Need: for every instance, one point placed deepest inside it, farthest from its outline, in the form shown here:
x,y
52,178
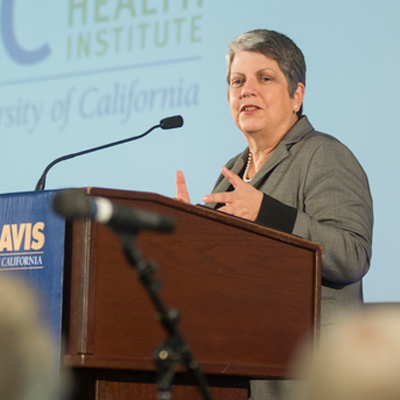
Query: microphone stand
x,y
174,350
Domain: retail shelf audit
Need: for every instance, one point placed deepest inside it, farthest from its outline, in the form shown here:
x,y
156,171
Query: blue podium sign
x,y
32,248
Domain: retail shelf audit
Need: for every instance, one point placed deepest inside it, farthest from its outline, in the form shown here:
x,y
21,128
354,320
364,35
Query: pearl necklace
x,y
249,161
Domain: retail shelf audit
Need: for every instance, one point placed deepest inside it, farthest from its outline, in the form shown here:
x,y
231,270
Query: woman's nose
x,y
248,89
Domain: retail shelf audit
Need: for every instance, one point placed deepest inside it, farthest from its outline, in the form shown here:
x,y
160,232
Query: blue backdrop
x,y
81,73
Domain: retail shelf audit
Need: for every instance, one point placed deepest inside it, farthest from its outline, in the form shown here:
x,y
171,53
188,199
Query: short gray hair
x,y
276,46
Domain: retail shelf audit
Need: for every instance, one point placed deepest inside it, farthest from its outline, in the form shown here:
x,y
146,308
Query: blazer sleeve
x,y
337,213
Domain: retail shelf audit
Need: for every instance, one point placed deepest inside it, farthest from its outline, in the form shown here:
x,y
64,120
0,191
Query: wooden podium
x,y
246,295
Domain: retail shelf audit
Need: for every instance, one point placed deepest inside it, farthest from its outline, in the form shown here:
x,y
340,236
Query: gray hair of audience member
x,y
276,46
356,360
28,363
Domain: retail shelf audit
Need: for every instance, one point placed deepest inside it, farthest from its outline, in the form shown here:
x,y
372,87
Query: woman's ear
x,y
298,96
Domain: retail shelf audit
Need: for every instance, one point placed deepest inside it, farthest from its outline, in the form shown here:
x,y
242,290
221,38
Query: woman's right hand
x,y
182,193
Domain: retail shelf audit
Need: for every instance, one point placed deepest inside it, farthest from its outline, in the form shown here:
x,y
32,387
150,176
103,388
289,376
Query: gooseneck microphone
x,y
75,204
166,123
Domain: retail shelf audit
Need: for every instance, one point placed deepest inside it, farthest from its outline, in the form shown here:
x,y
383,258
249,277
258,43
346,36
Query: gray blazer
x,y
319,177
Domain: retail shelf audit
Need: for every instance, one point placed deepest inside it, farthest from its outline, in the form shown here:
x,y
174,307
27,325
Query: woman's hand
x,y
182,193
244,201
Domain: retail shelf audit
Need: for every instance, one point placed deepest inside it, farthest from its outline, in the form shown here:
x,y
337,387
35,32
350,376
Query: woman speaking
x,y
291,177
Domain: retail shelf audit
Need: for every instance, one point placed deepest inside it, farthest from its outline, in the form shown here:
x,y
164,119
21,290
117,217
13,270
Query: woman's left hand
x,y
244,201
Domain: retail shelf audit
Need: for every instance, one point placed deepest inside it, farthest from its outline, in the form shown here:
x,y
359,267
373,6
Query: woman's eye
x,y
265,78
236,82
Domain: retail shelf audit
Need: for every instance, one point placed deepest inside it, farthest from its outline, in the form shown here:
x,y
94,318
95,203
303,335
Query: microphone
x,y
166,123
74,204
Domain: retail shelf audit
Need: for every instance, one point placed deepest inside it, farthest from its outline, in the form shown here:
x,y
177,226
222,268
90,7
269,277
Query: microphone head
x,y
72,204
171,122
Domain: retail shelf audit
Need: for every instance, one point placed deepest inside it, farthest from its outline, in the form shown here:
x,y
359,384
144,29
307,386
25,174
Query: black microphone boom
x,y
166,123
75,204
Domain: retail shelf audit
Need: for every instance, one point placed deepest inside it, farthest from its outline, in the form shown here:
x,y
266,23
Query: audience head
x,y
356,360
28,355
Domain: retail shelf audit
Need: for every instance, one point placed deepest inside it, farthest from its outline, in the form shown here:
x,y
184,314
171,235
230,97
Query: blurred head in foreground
x,y
28,368
356,360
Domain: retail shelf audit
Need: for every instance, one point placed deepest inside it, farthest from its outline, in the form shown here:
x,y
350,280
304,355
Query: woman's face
x,y
259,96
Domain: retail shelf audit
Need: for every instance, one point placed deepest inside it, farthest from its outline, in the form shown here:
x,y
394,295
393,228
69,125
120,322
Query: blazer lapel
x,y
281,152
